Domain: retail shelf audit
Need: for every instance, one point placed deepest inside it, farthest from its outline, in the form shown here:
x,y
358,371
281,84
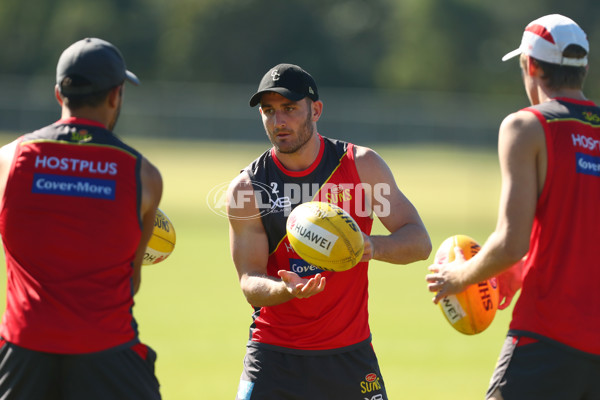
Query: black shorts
x,y
271,374
540,370
116,374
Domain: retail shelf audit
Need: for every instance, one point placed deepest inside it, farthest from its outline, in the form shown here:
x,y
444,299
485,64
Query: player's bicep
x,y
151,193
249,248
520,142
386,200
395,211
247,238
7,153
152,187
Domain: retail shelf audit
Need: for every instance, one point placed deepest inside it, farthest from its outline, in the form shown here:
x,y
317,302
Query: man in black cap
x,y
310,336
78,208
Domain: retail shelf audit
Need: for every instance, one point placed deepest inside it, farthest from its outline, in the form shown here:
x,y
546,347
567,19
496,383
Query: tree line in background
x,y
441,45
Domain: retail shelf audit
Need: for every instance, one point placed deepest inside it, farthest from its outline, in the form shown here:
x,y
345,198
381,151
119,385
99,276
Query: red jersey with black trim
x,y
338,316
559,298
70,227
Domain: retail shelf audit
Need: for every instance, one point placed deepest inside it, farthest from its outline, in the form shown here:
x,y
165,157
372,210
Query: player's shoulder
x,y
524,118
371,167
241,202
364,153
150,170
521,131
10,147
241,181
365,157
8,150
523,124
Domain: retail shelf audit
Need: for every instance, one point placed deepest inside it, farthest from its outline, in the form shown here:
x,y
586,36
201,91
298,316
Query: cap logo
x,y
275,75
310,90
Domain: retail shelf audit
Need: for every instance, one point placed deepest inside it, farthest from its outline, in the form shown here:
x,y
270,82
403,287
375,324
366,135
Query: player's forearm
x,y
262,290
409,244
494,258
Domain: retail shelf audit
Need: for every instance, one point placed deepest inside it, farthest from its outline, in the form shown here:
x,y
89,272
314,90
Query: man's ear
x,y
114,94
533,67
57,95
317,110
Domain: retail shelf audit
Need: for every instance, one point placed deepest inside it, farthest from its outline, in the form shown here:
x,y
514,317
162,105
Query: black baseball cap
x,y
290,81
93,65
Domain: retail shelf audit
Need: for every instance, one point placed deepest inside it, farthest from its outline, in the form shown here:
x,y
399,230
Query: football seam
x,y
165,240
347,243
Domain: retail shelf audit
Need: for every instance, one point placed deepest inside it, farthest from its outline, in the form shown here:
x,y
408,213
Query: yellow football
x,y
325,235
473,310
162,241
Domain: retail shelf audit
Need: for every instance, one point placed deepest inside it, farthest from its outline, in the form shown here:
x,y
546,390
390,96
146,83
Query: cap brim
x,y
288,94
512,54
131,77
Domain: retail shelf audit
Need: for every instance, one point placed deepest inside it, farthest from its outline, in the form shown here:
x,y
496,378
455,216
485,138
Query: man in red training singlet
x,y
77,211
310,336
550,163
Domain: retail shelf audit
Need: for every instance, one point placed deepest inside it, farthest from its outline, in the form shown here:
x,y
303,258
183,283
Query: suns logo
x,y
338,194
370,384
161,223
591,117
81,136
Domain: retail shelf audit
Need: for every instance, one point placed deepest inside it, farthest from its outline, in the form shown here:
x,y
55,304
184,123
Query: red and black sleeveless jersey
x,y
70,228
338,316
559,298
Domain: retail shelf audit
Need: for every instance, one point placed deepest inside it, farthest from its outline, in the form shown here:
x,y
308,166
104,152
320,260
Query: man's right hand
x,y
302,288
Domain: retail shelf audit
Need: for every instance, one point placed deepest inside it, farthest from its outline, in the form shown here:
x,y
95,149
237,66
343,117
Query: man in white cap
x,y
547,225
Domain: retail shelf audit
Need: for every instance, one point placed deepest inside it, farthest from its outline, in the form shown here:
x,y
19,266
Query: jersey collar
x,y
306,171
575,101
79,121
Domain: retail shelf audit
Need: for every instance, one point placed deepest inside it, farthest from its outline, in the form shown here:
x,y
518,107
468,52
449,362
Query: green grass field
x,y
191,311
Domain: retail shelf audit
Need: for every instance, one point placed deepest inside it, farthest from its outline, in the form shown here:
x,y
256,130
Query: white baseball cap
x,y
546,38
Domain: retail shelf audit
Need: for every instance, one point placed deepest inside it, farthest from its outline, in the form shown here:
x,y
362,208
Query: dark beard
x,y
307,133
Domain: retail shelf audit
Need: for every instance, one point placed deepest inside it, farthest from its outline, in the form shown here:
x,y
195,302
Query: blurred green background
x,y
399,70
419,81
448,45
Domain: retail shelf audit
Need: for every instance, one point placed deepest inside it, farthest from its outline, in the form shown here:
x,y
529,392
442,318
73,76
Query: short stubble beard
x,y
305,133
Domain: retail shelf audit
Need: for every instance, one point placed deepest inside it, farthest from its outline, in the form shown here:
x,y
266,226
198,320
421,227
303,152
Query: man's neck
x,y
575,94
94,114
303,158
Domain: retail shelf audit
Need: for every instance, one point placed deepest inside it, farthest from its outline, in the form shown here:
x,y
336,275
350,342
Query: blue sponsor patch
x,y
587,164
74,186
302,268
